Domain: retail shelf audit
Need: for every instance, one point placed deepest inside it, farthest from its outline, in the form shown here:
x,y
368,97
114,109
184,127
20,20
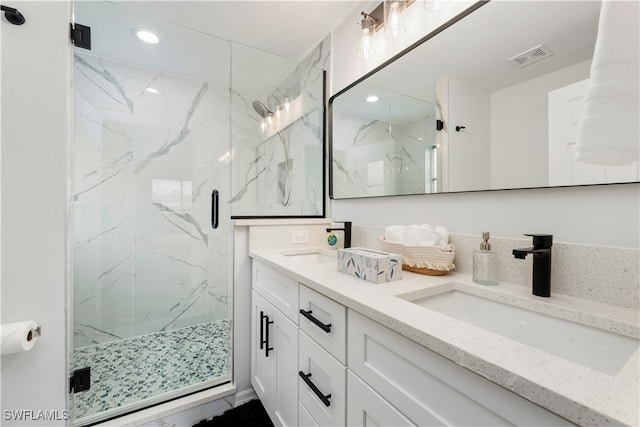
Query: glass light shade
x,y
365,29
433,5
393,19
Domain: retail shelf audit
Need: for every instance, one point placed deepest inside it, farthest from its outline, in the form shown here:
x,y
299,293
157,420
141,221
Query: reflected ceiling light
x,y
372,98
147,36
152,90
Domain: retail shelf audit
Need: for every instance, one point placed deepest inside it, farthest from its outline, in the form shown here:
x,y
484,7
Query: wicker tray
x,y
429,260
427,271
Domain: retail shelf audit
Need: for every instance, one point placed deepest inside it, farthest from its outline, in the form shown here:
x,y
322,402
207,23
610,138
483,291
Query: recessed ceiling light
x,y
372,98
152,90
147,36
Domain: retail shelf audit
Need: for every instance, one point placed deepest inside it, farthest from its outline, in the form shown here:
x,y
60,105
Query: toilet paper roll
x,y
18,337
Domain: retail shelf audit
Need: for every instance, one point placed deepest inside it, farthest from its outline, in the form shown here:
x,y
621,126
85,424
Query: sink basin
x,y
594,348
313,257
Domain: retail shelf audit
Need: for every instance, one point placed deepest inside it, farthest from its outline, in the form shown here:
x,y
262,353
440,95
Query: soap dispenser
x,y
485,263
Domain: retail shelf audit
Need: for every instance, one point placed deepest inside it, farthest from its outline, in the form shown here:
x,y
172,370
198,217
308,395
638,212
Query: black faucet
x,y
347,232
541,251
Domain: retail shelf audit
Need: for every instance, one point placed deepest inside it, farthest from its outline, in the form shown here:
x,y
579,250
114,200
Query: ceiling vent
x,y
530,56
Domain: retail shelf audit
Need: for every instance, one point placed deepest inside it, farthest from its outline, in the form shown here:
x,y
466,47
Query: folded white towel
x,y
609,131
426,235
395,233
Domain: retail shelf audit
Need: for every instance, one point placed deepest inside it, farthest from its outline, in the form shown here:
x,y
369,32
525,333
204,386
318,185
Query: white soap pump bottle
x,y
485,263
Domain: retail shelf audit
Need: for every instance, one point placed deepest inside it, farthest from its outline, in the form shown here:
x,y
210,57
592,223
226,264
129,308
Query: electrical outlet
x,y
301,236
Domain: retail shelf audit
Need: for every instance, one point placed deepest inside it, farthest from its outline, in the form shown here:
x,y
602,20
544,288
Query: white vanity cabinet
x,y
274,344
316,363
429,389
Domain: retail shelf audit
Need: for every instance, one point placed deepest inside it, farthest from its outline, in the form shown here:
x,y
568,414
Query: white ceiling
x,y
286,28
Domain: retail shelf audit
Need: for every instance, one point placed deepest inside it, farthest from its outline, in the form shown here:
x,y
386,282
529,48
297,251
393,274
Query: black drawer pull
x,y
267,349
262,317
319,324
316,390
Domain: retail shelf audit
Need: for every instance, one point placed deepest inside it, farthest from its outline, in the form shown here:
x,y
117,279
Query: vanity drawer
x,y
304,417
368,408
281,291
430,389
326,312
326,381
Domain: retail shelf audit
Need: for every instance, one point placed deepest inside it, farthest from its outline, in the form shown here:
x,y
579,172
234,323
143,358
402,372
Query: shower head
x,y
261,109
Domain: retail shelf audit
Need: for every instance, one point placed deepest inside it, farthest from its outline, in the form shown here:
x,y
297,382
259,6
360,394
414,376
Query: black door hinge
x,y
81,35
80,380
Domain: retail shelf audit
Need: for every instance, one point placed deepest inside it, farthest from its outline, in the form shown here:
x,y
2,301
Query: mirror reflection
x,y
491,102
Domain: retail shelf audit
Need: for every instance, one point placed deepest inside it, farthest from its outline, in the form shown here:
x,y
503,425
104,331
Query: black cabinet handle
x,y
316,390
319,324
262,316
214,209
267,349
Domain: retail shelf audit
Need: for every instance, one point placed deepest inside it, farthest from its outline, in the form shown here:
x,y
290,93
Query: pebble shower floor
x,y
130,370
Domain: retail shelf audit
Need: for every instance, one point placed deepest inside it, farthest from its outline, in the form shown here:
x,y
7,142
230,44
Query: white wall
x,y
34,202
519,128
469,149
600,215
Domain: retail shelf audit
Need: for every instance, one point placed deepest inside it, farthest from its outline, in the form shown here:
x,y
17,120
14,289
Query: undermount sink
x,y
313,257
594,348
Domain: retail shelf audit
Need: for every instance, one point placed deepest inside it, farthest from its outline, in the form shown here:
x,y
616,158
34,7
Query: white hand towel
x,y
609,131
426,235
395,233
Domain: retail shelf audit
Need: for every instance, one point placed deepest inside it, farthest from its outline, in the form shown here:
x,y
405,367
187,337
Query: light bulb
x,y
270,119
277,113
287,104
263,125
395,19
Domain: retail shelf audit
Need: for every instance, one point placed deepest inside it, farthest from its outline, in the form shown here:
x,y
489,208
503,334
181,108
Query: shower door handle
x,y
214,209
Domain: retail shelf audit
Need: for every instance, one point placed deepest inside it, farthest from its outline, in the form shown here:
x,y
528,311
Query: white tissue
x,y
18,337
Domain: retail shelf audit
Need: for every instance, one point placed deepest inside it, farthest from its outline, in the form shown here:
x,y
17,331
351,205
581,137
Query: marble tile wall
x,y
278,171
375,157
144,164
602,274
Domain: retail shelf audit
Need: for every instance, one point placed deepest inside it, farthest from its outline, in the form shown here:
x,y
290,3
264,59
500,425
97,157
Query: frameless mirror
x,y
490,102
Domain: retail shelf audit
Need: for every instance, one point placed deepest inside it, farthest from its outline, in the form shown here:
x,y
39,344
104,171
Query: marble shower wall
x,y
374,158
277,171
144,164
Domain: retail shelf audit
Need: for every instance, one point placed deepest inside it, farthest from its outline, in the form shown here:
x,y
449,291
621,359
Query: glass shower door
x,y
151,274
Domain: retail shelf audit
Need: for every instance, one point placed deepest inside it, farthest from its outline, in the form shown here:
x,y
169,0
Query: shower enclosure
x,y
171,140
151,218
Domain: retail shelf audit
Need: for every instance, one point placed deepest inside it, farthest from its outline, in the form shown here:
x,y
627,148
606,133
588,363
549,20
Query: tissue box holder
x,y
369,265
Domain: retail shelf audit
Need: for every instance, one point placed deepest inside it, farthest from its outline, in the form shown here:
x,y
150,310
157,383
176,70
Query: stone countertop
x,y
582,395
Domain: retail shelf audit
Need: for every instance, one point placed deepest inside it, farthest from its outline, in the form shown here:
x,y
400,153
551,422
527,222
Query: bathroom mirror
x,y
490,102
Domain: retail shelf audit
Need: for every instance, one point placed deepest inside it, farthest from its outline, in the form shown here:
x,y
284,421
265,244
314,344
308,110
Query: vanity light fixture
x,y
366,28
387,15
393,21
147,36
435,5
372,98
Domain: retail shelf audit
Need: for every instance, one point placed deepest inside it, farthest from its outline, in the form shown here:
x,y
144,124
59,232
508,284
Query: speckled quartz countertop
x,y
582,395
